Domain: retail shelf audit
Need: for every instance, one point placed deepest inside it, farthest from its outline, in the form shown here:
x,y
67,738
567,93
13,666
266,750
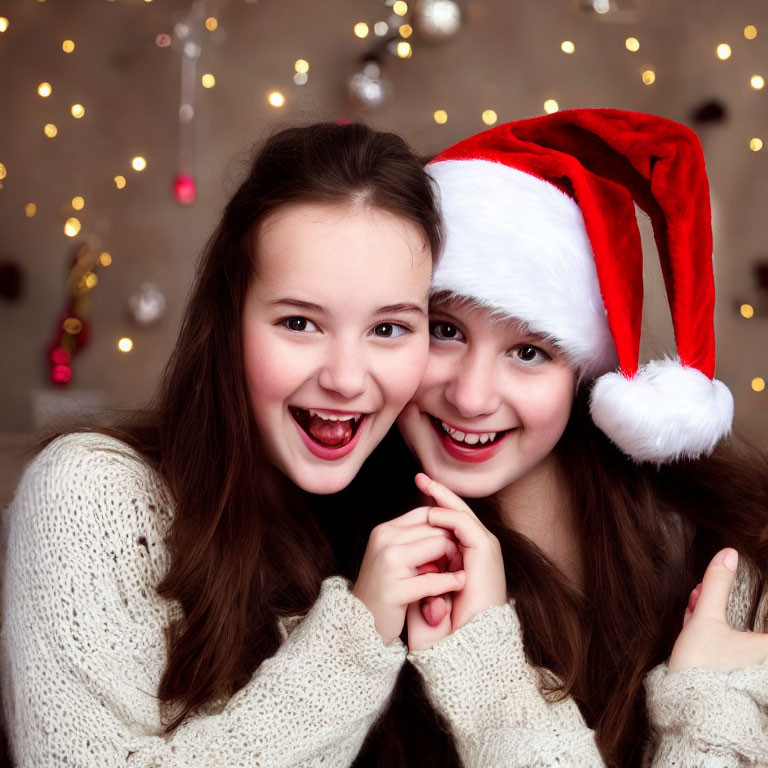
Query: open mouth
x,y
327,429
470,440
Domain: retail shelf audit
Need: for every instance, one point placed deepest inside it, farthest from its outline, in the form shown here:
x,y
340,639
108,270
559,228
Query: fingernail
x,y
461,575
731,560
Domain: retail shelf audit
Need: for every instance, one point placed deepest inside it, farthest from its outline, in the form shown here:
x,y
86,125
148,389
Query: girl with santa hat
x,y
616,551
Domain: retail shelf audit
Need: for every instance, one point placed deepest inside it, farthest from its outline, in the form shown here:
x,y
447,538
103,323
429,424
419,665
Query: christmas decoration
x,y
437,20
147,305
367,90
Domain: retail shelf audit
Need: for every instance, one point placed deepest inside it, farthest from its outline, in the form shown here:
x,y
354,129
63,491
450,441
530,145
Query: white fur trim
x,y
666,412
518,245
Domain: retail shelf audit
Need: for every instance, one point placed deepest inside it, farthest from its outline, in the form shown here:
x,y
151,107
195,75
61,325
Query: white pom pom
x,y
666,412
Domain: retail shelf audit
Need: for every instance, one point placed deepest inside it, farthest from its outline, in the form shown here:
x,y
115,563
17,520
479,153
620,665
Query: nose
x,y
473,390
345,370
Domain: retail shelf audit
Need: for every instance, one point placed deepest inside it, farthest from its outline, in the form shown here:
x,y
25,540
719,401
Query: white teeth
x,y
449,430
458,436
333,416
469,438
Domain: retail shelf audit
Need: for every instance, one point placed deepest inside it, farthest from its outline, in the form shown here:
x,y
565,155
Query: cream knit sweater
x,y
83,651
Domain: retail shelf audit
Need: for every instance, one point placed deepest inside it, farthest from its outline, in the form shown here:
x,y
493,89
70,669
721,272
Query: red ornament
x,y
184,188
61,374
60,356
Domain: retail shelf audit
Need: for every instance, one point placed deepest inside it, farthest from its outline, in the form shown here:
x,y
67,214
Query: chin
x,y
471,485
322,482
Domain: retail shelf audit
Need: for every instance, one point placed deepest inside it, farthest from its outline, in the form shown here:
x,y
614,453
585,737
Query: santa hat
x,y
541,226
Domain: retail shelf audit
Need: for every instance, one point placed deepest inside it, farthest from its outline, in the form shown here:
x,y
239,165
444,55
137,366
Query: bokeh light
x,y
361,29
125,344
750,31
632,44
567,46
211,23
276,99
400,7
119,181
757,82
78,203
30,209
758,384
405,30
208,80
3,172
550,106
78,110
68,46
723,51
755,144
138,163
747,310
44,90
489,117
649,76
105,259
440,116
301,66
404,49
50,130
4,23
71,227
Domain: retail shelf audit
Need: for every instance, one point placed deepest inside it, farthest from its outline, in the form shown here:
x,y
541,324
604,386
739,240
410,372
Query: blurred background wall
x,y
115,112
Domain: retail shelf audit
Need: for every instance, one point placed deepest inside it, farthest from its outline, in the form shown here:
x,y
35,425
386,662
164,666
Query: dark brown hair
x,y
238,520
647,535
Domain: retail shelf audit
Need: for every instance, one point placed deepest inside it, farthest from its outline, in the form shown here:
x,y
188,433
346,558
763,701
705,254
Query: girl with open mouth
x,y
590,630
171,590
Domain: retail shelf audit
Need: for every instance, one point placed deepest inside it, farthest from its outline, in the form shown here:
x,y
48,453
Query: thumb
x,y
444,497
716,585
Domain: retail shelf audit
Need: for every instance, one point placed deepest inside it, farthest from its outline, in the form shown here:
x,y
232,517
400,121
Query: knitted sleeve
x,y
84,637
480,681
708,718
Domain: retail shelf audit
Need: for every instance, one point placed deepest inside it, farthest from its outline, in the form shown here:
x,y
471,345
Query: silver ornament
x,y
147,305
367,90
621,11
437,19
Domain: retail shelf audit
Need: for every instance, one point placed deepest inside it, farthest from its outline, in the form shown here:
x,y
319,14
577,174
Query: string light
x,y
78,203
632,44
400,7
50,130
105,259
755,144
747,310
567,46
361,29
45,90
138,163
723,51
125,344
276,99
72,326
208,80
750,31
301,66
71,227
757,82
68,46
489,117
440,116
550,106
758,384
78,110
90,280
404,50
381,28
649,76
30,209
211,23
4,24
3,171
405,30
119,181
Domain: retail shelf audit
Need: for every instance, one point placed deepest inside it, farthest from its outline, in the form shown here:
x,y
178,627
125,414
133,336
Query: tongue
x,y
334,434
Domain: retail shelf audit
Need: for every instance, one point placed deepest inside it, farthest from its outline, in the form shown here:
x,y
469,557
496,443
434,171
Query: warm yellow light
x,y
3,172
276,99
211,23
119,181
301,66
649,76
78,203
125,344
441,116
489,117
138,163
72,326
567,46
50,130
750,31
550,106
78,110
632,44
90,280
758,384
405,30
30,209
361,29
757,82
723,51
404,50
105,259
3,23
747,310
45,90
208,80
68,46
400,8
71,227
755,144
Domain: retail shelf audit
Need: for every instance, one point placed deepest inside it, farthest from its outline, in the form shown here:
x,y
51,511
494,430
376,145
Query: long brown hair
x,y
647,534
237,520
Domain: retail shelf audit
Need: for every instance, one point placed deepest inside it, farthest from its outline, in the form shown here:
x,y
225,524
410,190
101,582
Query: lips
x,y
469,447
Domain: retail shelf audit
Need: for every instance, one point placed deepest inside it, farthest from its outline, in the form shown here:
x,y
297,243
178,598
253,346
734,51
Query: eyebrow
x,y
386,310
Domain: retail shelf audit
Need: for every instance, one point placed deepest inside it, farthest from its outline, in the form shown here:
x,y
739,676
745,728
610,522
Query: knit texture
x,y
479,679
84,648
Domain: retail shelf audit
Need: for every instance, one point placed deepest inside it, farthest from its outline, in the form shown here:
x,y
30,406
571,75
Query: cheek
x,y
548,406
400,374
439,372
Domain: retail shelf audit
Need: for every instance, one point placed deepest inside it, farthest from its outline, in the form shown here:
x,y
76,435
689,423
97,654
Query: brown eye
x,y
296,323
527,353
445,331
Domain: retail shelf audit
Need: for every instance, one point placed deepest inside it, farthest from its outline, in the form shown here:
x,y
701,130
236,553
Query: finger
x,y
442,495
429,568
427,550
431,585
694,597
716,585
434,610
408,533
420,634
414,517
469,531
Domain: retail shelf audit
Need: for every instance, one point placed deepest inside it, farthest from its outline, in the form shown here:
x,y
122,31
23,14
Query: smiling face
x,y
335,335
493,402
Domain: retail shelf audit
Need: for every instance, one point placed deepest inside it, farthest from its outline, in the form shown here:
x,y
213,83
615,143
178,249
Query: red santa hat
x,y
541,226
